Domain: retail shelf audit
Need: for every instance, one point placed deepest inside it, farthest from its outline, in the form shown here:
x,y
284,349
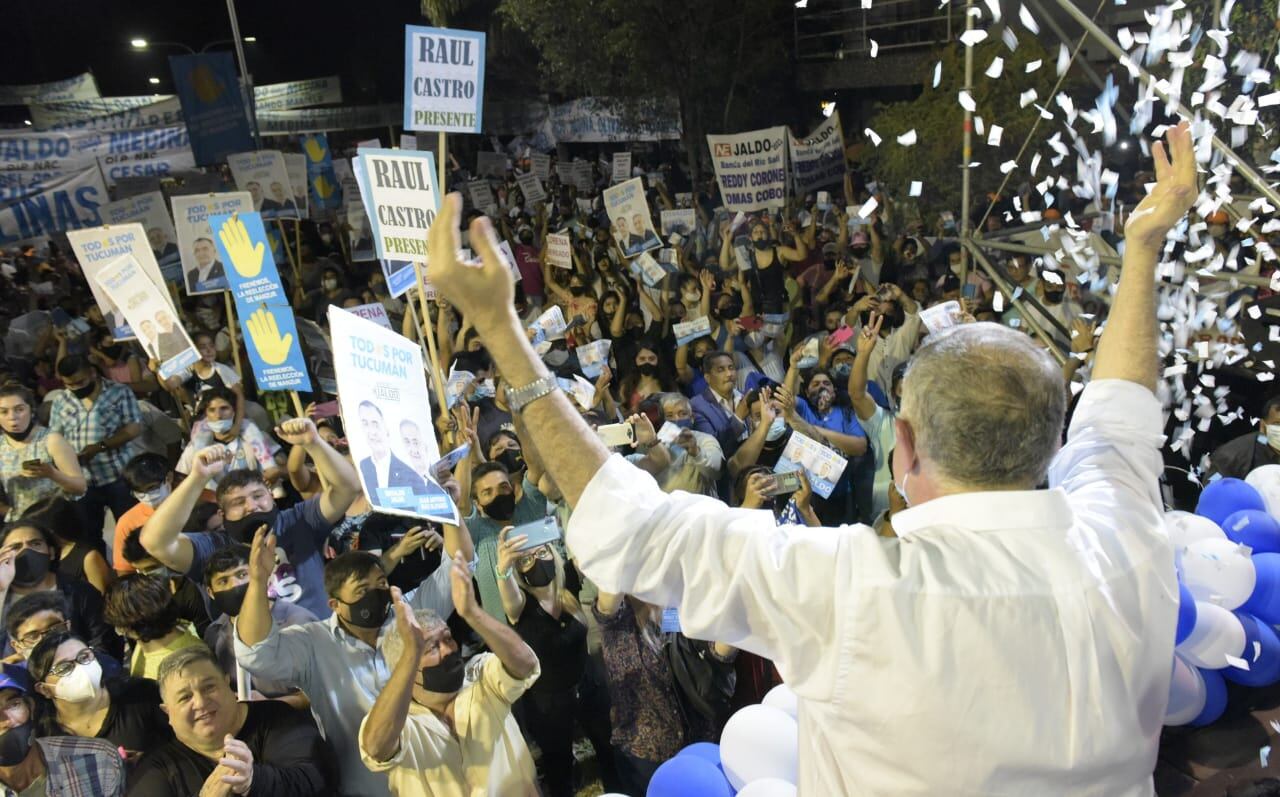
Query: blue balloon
x,y
1225,497
1256,529
707,751
1215,699
1264,603
1186,614
688,776
1261,653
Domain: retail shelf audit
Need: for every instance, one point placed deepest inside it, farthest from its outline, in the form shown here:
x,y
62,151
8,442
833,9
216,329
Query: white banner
x,y
401,199
532,189
107,113
818,160
22,150
297,94
95,248
382,392
751,168
150,211
80,87
51,204
443,79
150,314
629,212
321,120
681,221
202,271
559,250
621,167
266,178
595,119
145,164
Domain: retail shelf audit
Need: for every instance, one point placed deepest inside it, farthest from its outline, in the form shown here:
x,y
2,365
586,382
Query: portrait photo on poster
x,y
265,177
629,213
202,270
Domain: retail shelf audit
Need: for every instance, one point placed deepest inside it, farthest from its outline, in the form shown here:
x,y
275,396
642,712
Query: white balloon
x,y
760,742
768,787
1216,635
1219,571
1186,694
1266,480
782,698
1186,528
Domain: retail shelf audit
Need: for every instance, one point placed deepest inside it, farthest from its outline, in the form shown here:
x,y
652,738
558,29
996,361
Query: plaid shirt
x,y
114,409
80,767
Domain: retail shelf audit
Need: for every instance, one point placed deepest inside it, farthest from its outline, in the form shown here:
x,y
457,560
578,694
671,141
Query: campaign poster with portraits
x,y
202,270
96,247
382,394
265,177
629,211
146,307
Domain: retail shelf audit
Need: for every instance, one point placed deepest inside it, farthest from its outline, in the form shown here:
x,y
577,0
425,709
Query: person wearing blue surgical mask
x,y
250,448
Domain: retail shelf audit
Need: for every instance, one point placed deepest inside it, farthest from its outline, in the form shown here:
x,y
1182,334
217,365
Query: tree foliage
x,y
938,118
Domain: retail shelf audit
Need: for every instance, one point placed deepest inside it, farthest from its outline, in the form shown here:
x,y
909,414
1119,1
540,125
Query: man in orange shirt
x,y
151,480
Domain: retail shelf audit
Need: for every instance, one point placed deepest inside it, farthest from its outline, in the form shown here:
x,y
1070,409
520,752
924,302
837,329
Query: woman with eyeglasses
x,y
550,620
75,701
28,564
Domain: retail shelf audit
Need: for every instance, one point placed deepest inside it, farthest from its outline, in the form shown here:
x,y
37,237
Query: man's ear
x,y
905,446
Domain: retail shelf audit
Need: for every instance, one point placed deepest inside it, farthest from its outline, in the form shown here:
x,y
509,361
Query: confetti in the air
x,y
966,101
1028,22
908,138
937,74
996,68
972,37
875,48
871,134
916,187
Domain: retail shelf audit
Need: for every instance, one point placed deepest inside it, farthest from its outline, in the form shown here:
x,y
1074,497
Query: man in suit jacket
x,y
714,410
382,468
208,273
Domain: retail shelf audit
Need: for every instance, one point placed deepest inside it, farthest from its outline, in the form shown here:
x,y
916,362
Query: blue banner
x,y
266,320
212,105
322,181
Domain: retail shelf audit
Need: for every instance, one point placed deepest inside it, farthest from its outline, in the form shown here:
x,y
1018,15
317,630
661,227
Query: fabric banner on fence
x,y
63,202
212,105
751,168
80,87
54,153
818,161
297,94
76,113
595,119
321,120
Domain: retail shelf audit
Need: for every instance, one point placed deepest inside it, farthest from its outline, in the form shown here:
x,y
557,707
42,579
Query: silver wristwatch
x,y
520,397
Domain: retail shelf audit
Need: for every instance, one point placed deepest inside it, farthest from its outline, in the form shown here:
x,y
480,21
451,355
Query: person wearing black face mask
x,y
549,619
504,447
333,660
500,500
67,764
430,684
35,463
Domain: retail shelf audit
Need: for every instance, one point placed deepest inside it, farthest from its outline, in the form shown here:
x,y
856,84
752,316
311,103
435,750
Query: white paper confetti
x,y
875,48
1028,22
993,138
1064,58
966,101
937,74
871,134
972,37
908,138
1008,166
915,189
1033,66
996,68
1027,97
1264,755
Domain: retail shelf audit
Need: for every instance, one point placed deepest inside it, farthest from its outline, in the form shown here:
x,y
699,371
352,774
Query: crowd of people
x,y
198,599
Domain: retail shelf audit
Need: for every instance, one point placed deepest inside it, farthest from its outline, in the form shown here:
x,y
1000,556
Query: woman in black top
x,y
549,619
80,552
76,702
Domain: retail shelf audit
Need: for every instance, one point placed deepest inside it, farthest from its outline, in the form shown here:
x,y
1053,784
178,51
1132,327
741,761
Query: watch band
x,y
521,397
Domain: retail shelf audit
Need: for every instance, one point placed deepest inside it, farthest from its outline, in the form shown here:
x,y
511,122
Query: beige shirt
x,y
487,757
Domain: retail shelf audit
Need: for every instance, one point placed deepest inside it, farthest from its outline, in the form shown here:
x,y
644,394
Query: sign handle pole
x,y
297,243
413,318
430,334
442,153
293,261
297,404
231,331
341,230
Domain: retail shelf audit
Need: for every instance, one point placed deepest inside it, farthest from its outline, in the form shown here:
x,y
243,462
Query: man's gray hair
x,y
986,406
669,399
180,660
393,644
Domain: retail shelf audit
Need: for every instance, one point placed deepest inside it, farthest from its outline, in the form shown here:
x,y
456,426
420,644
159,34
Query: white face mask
x,y
1273,435
80,684
220,426
902,491
152,498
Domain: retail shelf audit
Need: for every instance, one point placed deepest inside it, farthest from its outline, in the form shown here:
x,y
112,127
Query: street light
x,y
138,44
250,39
155,81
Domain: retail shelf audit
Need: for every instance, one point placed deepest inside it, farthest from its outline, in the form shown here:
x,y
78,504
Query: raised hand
x,y
410,630
464,597
265,334
481,290
1174,194
1082,335
237,758
645,435
767,411
757,483
298,432
870,334
416,538
509,548
246,256
262,555
211,461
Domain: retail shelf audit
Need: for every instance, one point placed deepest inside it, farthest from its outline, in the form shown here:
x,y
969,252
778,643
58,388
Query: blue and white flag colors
x,y
262,305
382,392
401,197
443,79
149,312
212,106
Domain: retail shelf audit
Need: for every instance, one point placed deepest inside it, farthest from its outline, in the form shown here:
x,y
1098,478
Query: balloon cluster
x,y
757,756
1228,559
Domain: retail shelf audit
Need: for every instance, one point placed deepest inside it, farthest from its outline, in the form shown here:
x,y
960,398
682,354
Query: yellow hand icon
x,y
323,187
314,150
265,336
244,254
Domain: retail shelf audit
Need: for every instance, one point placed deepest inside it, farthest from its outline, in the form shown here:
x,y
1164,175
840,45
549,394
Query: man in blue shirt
x,y
246,503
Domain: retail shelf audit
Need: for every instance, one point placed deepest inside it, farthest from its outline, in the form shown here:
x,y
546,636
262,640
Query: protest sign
x,y
297,94
818,160
399,189
149,210
321,120
264,175
482,197
145,164
751,168
942,316
559,250
457,385
95,247
593,357
621,167
374,312
42,207
582,176
491,164
382,390
689,331
80,87
202,271
61,152
648,269
360,235
324,190
629,211
822,465
212,106
295,166
540,165
681,221
598,119
443,79
149,312
548,327
262,306
532,189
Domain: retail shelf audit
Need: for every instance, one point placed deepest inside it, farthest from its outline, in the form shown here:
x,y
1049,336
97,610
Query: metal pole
x,y
1116,50
1050,343
967,151
244,73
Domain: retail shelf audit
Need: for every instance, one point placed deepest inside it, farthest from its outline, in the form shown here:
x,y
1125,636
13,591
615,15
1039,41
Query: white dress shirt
x,y
1011,643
